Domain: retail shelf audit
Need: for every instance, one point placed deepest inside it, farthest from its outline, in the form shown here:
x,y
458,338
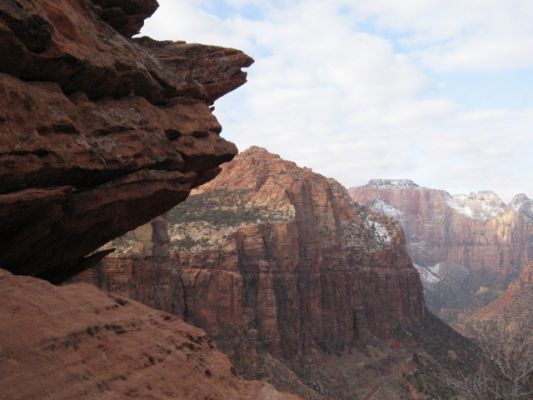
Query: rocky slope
x,y
300,285
75,342
99,133
513,306
466,247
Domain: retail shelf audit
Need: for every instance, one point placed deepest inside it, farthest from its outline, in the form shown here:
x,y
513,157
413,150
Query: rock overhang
x,y
99,133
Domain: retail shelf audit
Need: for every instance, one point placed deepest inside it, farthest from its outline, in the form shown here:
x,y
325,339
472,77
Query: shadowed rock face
x,y
126,16
514,306
99,133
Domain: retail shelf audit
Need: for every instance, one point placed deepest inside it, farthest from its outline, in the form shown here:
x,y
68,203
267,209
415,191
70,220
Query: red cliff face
x,y
270,257
463,242
99,133
75,342
279,255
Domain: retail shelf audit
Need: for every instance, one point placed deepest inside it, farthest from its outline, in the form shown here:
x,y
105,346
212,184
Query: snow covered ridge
x,y
522,203
391,184
385,208
480,206
485,205
429,275
381,233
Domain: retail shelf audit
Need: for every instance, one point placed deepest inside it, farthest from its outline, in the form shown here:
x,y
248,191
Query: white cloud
x,y
356,90
460,35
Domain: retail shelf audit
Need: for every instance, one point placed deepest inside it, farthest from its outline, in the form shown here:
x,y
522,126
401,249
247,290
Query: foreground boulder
x,y
99,133
75,342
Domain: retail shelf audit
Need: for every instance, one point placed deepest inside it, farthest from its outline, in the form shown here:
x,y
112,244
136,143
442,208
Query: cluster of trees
x,y
506,369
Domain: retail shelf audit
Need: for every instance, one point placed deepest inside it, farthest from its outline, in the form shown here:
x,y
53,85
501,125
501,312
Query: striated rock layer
x,y
276,263
99,133
75,342
467,247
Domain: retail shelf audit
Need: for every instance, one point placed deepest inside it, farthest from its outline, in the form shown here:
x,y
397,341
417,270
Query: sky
x,y
437,91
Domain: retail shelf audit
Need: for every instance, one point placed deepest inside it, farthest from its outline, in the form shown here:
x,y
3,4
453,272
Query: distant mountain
x,y
467,248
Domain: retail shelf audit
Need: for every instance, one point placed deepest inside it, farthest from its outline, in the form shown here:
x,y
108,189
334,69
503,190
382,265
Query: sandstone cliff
x,y
75,342
467,247
99,133
300,285
278,255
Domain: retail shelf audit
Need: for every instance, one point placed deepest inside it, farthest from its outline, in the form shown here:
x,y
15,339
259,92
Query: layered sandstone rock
x,y
75,342
99,133
281,255
272,260
467,247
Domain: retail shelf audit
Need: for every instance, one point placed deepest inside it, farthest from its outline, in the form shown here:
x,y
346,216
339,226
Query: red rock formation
x,y
304,268
99,133
269,257
476,240
74,342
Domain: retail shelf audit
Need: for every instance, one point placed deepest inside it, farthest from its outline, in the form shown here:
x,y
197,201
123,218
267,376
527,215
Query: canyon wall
x,y
273,254
466,247
99,133
280,267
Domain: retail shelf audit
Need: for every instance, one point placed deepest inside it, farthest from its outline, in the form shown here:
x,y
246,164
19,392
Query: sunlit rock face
x,y
271,256
99,133
466,247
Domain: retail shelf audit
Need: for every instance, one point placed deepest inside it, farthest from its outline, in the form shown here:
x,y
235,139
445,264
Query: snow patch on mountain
x,y
465,210
428,275
391,184
522,203
481,206
380,232
386,209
